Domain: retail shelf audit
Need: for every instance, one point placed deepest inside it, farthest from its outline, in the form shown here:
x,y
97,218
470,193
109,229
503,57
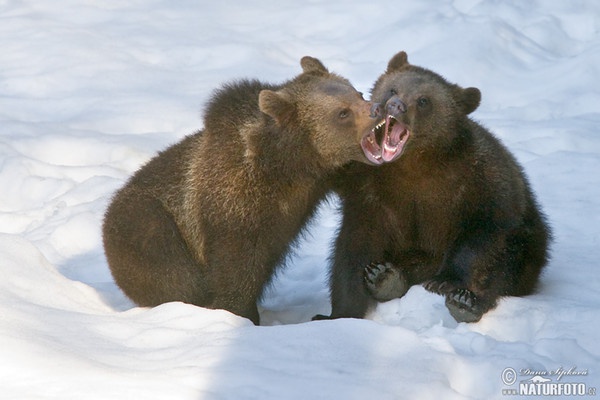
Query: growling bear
x,y
208,220
449,207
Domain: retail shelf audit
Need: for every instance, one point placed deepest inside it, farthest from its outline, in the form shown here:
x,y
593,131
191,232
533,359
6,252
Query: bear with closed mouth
x,y
208,220
448,206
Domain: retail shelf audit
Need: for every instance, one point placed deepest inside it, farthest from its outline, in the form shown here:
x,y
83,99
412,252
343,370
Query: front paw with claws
x,y
385,281
464,305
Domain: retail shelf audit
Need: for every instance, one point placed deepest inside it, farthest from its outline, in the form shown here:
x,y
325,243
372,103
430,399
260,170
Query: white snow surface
x,y
90,90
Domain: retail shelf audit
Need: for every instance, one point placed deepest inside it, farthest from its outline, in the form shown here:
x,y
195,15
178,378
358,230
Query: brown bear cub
x,y
453,211
209,219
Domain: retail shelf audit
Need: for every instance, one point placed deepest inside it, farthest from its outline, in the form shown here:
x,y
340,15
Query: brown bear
x,y
450,208
209,219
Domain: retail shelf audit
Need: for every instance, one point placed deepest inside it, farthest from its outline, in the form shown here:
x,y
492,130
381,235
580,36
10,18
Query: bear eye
x,y
422,102
345,113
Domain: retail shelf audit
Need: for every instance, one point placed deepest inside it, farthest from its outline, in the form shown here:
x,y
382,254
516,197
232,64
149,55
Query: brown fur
x,y
454,211
208,220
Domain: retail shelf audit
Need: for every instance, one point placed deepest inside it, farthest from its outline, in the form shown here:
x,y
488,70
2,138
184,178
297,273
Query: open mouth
x,y
385,142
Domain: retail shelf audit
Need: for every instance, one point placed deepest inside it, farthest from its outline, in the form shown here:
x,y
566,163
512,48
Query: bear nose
x,y
376,110
395,106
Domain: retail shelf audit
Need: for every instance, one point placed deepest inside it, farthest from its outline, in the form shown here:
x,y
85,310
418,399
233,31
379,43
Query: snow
x,y
89,91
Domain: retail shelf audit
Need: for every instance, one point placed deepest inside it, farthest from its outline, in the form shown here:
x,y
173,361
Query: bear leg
x,y
478,271
147,255
349,296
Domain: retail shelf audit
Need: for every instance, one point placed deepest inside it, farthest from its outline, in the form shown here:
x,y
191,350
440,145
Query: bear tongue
x,y
371,148
395,137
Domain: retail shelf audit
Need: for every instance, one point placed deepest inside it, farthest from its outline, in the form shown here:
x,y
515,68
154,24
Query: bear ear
x,y
311,64
274,104
397,62
469,99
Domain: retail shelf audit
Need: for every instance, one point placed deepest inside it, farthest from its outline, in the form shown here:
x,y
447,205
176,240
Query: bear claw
x,y
384,281
439,286
464,305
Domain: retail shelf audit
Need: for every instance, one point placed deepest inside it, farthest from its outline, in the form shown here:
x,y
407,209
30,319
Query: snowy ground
x,y
91,90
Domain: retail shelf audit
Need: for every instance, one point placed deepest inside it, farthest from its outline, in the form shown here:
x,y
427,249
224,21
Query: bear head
x,y
419,108
326,109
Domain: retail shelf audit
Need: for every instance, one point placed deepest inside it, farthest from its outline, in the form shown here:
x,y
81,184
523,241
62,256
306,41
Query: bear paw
x,y
385,282
464,305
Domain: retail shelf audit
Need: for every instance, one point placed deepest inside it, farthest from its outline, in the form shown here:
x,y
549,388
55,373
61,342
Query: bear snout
x,y
376,111
395,106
